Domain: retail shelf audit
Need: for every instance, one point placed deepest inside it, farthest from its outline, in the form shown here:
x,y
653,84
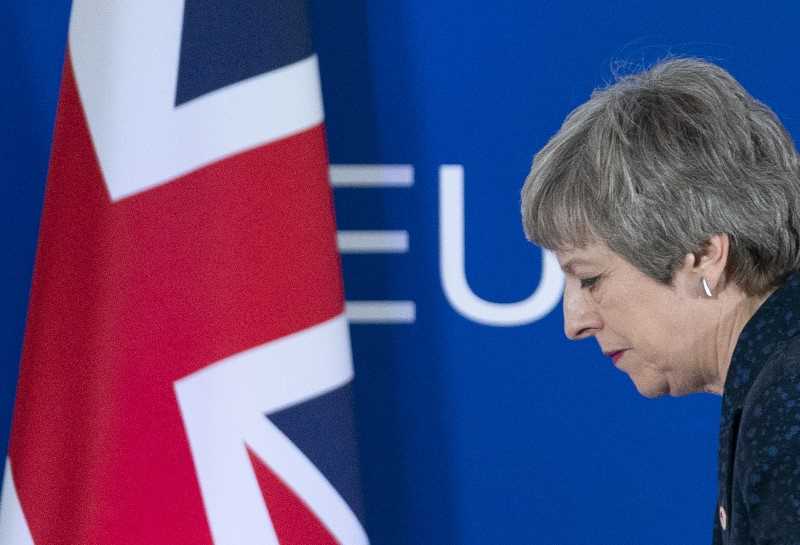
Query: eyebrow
x,y
567,267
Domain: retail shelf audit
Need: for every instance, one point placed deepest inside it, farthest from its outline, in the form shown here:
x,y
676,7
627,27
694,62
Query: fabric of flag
x,y
186,372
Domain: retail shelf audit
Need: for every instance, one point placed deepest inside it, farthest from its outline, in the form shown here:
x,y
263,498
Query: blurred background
x,y
473,428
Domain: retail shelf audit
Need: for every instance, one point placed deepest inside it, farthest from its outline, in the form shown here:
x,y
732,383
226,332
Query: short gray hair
x,y
660,161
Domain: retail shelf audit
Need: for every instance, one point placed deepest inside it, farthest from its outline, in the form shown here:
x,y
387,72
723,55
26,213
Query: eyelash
x,y
589,282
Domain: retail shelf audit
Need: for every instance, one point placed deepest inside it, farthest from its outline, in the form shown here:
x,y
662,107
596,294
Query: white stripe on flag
x,y
246,387
13,526
126,56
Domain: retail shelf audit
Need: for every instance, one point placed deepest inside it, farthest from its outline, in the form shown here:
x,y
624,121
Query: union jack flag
x,y
186,373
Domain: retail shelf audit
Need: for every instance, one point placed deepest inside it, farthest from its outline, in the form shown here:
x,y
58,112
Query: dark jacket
x,y
759,440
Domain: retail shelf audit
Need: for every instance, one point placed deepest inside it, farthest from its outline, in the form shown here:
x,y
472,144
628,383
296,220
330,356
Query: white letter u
x,y
452,268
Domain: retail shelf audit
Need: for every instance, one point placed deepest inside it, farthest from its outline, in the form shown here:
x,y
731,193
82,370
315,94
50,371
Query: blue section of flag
x,y
227,41
323,429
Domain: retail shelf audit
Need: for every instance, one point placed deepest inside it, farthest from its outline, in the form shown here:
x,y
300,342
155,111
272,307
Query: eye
x,y
589,282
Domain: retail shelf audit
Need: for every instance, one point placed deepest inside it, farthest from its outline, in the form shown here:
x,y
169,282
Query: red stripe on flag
x,y
129,296
294,522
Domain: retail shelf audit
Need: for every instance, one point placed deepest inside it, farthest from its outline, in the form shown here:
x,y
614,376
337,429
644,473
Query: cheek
x,y
659,347
655,333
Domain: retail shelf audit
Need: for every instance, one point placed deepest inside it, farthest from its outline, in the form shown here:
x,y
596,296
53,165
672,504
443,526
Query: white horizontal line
x,y
371,242
372,175
381,312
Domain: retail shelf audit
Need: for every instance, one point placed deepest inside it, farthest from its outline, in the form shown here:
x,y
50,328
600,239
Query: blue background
x,y
469,434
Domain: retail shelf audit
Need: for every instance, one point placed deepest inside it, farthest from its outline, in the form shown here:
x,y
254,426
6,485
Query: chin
x,y
652,390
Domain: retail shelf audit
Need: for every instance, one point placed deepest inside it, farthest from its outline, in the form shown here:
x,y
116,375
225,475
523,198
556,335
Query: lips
x,y
615,355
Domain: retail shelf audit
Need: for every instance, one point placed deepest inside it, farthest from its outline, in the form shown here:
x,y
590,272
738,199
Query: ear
x,y
709,262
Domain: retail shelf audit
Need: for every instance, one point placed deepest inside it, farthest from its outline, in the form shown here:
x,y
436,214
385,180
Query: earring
x,y
706,288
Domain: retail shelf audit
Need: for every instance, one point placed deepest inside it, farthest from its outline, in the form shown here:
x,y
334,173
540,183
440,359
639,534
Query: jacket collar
x,y
776,321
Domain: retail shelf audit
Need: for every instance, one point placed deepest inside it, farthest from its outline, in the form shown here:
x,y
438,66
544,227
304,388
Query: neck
x,y
735,309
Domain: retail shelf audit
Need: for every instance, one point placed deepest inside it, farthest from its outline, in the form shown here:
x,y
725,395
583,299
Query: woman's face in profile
x,y
651,331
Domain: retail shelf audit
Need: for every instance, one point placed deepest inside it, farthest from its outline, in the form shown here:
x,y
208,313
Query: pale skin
x,y
674,338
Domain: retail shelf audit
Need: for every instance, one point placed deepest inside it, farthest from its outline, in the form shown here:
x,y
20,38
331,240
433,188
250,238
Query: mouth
x,y
615,355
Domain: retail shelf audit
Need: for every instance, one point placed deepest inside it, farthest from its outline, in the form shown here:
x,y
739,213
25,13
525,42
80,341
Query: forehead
x,y
594,254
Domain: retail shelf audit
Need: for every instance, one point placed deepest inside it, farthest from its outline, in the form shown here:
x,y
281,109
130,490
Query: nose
x,y
581,318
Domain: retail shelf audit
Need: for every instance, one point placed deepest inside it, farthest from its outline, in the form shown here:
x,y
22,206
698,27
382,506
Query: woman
x,y
672,201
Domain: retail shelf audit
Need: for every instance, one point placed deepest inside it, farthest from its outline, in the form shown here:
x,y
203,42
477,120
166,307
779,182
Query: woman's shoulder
x,y
778,381
768,447
771,410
